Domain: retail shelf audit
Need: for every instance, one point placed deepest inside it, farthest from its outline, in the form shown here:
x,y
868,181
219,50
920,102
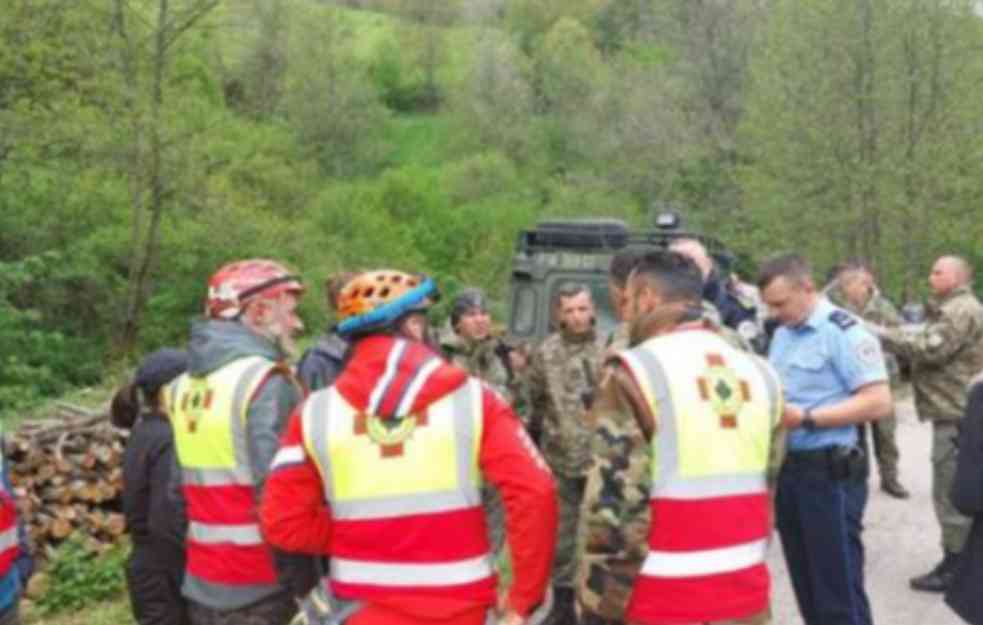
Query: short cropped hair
x,y
621,266
791,266
569,289
675,277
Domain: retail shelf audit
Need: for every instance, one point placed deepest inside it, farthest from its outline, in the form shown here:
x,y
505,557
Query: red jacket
x,y
295,517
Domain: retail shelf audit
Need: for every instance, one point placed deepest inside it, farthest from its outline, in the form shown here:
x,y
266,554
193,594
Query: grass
x,y
115,612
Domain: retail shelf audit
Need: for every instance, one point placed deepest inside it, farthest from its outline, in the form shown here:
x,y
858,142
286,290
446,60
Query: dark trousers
x,y
155,593
10,616
820,519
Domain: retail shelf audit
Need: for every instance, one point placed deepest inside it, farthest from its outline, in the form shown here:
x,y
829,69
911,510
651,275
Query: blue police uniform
x,y
822,489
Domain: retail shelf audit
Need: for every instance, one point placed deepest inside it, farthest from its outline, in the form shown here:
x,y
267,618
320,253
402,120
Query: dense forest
x,y
145,142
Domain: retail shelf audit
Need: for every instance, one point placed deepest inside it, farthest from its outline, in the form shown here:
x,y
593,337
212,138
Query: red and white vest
x,y
226,553
716,411
404,493
9,549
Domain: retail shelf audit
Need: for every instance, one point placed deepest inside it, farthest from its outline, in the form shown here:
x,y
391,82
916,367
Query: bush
x,y
79,577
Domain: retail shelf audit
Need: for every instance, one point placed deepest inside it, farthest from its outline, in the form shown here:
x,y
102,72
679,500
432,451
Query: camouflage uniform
x,y
881,311
612,537
562,375
482,360
945,354
613,534
279,608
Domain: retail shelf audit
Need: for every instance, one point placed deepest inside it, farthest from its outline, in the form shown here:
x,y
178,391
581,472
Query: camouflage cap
x,y
466,300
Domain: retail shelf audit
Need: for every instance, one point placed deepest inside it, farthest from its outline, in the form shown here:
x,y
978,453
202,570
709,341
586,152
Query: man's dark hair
x,y
792,266
675,277
621,266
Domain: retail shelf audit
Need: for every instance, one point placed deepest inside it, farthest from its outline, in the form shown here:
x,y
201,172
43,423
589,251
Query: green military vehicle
x,y
579,250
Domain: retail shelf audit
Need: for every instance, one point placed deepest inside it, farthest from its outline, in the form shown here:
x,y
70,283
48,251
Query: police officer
x,y
682,373
834,376
945,353
16,564
562,375
853,289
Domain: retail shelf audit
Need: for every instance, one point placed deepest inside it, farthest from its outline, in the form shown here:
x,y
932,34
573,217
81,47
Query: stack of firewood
x,y
67,473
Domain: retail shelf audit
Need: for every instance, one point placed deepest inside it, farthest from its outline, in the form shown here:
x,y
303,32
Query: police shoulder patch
x,y
842,319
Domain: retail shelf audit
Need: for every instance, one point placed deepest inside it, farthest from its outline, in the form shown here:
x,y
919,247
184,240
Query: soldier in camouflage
x,y
945,353
561,378
853,289
468,341
614,524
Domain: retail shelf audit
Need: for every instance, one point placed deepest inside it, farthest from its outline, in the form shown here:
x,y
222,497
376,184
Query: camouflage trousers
x,y
11,616
275,610
886,447
955,525
570,492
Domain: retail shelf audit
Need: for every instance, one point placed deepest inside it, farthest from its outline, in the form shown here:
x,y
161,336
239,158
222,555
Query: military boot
x,y
939,578
563,612
893,487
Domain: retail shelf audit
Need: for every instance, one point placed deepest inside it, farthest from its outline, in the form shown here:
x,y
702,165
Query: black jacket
x,y
964,594
155,518
321,364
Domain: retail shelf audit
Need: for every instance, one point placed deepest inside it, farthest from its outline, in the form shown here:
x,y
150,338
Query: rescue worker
x,y
945,353
854,290
737,311
398,447
227,412
322,363
155,520
467,342
834,378
704,560
16,564
561,378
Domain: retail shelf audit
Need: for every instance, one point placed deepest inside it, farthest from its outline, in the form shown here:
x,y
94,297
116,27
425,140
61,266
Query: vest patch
x,y
726,393
842,319
389,434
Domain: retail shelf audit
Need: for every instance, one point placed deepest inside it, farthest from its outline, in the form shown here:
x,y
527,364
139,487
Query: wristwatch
x,y
807,421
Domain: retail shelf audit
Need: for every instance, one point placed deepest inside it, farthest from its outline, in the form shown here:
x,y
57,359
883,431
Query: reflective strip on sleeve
x,y
293,454
387,574
217,534
238,476
708,562
8,538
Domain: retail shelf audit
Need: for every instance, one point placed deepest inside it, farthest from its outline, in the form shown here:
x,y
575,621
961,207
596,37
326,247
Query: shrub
x,y
79,576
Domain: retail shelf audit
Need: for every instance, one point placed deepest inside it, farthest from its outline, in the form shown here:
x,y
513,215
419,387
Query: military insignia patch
x,y
842,319
389,434
725,392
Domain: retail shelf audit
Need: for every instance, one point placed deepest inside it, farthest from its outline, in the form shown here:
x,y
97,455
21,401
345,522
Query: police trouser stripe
x,y
387,574
215,534
8,538
706,562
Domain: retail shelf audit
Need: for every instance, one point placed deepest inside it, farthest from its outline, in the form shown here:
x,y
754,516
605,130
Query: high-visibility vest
x,y
405,497
9,549
716,412
225,549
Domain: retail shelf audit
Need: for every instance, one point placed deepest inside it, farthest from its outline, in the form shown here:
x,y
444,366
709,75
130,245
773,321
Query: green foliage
x,y
79,577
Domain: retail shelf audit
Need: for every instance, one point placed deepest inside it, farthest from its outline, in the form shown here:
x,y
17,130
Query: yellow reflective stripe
x,y
387,574
244,535
707,562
